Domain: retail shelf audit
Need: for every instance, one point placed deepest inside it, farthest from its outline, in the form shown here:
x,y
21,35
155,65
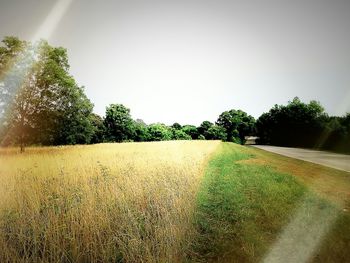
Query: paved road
x,y
334,160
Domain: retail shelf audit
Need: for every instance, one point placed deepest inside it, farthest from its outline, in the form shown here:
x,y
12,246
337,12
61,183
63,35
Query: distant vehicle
x,y
250,140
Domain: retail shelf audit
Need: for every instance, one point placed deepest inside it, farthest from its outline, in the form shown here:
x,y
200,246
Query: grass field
x,y
172,201
108,203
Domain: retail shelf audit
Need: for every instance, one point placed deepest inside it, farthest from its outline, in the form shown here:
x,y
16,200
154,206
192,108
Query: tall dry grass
x,y
131,202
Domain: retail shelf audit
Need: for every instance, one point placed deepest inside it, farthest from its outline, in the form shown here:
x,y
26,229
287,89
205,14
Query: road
x,y
333,160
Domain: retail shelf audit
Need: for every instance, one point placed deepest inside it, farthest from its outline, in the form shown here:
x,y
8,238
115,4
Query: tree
x,y
73,122
237,124
190,130
119,124
41,102
216,132
15,62
141,133
204,127
179,135
99,129
201,137
159,132
296,124
336,134
176,126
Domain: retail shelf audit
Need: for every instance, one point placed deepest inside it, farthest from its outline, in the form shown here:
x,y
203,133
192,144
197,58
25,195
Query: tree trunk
x,y
22,144
22,135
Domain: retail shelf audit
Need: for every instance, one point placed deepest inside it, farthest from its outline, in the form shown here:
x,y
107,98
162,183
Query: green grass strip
x,y
243,208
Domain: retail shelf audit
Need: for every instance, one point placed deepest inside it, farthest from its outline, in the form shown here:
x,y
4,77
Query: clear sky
x,y
188,61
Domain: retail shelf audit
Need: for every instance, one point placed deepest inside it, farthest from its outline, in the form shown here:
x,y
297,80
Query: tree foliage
x,y
296,124
176,126
216,132
179,135
40,101
141,133
203,128
237,124
119,124
190,130
159,132
99,129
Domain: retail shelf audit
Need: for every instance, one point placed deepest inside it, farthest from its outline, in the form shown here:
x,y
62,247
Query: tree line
x,y
41,104
300,124
118,126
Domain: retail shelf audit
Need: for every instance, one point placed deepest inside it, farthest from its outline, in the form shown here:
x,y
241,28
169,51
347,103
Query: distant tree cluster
x,y
301,124
118,126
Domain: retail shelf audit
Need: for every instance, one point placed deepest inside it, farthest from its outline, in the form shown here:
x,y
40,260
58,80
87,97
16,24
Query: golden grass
x,y
131,202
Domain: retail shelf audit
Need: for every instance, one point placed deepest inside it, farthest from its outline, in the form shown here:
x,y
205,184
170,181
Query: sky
x,y
187,61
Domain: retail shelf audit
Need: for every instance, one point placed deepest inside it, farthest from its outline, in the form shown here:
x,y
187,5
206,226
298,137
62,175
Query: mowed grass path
x,y
251,209
195,201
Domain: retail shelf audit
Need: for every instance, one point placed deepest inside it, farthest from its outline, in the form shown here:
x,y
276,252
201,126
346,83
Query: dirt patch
x,y
253,161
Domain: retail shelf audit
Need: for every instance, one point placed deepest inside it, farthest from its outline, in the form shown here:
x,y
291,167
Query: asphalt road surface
x,y
334,160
